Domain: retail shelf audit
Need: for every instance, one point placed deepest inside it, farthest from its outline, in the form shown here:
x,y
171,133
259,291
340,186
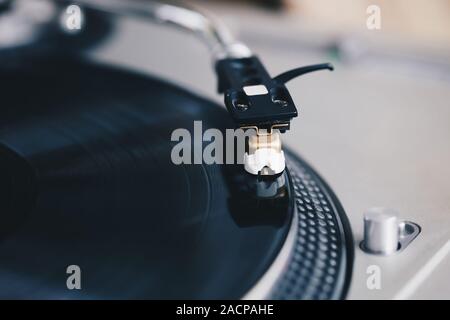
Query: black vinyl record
x,y
87,180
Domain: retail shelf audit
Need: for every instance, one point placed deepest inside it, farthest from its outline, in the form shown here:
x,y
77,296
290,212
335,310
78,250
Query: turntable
x,y
88,180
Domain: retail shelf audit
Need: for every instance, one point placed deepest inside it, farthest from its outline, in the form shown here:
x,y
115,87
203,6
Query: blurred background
x,y
377,128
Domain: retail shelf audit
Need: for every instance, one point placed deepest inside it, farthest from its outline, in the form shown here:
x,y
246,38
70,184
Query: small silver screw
x,y
280,102
241,106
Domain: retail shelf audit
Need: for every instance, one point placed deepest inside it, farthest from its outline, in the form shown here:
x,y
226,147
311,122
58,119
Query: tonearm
x,y
254,99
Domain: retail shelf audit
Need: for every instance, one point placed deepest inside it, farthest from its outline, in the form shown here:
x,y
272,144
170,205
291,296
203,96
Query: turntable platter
x,y
87,180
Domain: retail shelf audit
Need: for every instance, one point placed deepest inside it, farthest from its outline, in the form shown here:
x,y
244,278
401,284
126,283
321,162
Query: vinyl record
x,y
87,180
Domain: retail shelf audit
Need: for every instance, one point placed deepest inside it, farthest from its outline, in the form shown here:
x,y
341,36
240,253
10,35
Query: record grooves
x,y
91,159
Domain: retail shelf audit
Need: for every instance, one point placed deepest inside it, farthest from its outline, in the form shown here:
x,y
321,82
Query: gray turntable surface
x,y
377,130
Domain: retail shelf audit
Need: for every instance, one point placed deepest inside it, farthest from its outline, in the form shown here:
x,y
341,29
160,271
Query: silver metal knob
x,y
381,231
